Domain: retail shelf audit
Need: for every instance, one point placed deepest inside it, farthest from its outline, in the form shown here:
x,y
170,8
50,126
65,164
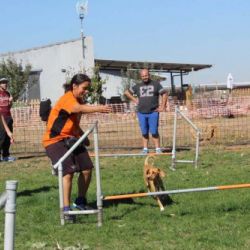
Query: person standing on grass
x,y
5,106
62,126
148,93
3,125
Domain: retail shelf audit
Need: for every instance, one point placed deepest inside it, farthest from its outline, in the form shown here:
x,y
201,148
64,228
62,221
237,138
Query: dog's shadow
x,y
116,202
111,203
166,201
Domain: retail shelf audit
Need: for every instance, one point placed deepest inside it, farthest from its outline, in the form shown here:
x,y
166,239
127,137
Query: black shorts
x,y
78,161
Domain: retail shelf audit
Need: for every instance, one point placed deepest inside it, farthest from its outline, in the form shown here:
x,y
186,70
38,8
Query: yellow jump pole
x,y
177,191
233,186
125,196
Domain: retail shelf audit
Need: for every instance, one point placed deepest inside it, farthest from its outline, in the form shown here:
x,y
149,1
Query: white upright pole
x,y
60,183
174,141
10,215
197,148
98,179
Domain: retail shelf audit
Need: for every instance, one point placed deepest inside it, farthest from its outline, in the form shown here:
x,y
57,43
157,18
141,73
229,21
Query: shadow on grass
x,y
166,200
178,149
35,191
25,157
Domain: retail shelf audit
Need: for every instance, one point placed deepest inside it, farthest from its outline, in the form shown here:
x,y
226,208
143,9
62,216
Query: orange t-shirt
x,y
62,122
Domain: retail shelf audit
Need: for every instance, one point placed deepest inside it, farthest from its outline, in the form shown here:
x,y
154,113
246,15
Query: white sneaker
x,y
9,159
158,151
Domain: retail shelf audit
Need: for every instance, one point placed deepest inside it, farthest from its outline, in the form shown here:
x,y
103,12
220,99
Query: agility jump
x,y
177,191
173,153
100,198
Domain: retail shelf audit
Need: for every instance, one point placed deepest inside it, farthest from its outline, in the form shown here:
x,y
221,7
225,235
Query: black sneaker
x,y
78,206
81,204
70,218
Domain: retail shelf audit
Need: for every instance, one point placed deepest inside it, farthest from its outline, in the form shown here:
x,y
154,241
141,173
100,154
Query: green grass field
x,y
207,220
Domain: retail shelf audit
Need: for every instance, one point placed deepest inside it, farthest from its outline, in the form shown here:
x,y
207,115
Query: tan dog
x,y
208,131
152,178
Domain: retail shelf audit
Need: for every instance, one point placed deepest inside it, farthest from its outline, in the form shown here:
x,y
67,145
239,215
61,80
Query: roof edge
x,y
39,47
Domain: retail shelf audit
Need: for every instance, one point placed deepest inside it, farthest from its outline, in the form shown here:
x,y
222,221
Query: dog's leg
x,y
153,189
159,200
159,203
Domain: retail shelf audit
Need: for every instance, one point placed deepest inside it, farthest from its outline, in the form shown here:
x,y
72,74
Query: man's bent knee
x,y
155,135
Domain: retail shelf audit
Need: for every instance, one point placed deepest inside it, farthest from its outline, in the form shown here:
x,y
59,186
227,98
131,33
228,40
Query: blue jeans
x,y
149,123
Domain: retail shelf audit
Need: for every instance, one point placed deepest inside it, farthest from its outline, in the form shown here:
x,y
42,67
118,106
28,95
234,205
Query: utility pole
x,y
81,9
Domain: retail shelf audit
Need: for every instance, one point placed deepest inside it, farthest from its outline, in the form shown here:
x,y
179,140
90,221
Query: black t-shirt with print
x,y
148,95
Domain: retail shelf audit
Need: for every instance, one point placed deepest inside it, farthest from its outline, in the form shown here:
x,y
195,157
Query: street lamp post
x,y
81,9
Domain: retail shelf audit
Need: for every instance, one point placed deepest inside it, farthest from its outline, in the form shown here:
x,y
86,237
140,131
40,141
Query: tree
x,y
16,74
130,76
96,86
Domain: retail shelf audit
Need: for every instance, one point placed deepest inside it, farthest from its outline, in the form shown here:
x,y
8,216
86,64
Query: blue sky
x,y
184,31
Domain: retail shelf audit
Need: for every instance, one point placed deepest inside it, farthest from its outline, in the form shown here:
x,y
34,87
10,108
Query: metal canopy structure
x,y
154,66
174,69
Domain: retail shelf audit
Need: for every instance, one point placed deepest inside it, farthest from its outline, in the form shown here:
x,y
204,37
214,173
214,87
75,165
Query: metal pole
x,y
195,162
60,183
172,84
197,149
188,120
88,131
82,37
10,215
98,179
174,141
3,199
127,155
177,191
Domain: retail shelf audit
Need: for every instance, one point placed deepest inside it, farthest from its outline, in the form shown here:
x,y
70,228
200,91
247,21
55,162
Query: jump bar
x,y
177,191
125,155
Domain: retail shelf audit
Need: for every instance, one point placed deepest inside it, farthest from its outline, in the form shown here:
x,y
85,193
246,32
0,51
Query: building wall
x,y
52,59
113,86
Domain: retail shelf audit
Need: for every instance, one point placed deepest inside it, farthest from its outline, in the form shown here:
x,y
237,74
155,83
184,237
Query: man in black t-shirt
x,y
147,100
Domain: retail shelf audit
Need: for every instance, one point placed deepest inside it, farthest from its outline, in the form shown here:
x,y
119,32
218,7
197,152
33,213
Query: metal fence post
x,y
10,215
197,149
98,179
60,183
174,141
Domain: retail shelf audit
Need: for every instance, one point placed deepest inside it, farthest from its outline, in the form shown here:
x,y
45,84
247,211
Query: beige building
x,y
51,64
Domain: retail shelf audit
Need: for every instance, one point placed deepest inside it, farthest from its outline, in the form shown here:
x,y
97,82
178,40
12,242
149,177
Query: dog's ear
x,y
162,173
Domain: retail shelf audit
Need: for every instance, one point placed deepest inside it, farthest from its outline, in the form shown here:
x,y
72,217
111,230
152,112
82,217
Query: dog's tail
x,y
149,158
